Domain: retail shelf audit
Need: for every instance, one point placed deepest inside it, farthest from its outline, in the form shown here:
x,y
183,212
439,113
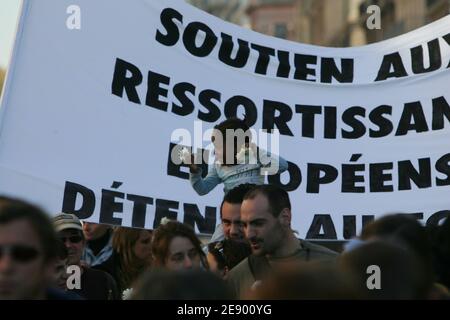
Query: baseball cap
x,y
64,221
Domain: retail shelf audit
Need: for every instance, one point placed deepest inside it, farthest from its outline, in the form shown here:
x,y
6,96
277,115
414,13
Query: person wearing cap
x,y
95,284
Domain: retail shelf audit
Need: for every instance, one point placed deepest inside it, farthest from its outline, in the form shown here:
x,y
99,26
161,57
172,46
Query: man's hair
x,y
402,274
163,284
12,210
404,229
277,197
441,251
236,195
229,253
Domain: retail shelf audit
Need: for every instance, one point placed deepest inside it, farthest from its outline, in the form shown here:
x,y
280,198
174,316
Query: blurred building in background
x,y
279,18
334,23
229,10
401,16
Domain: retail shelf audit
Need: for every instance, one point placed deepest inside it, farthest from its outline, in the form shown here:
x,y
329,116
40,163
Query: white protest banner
x,y
96,91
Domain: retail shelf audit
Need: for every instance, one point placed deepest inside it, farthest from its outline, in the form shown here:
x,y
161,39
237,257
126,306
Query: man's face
x,y
233,228
23,269
74,243
264,232
94,231
60,274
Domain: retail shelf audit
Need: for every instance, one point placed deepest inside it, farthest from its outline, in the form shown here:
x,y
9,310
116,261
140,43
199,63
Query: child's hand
x,y
247,154
193,167
254,148
187,158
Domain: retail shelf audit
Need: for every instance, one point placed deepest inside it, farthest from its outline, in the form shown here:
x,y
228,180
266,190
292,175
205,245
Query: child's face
x,y
222,149
218,147
60,275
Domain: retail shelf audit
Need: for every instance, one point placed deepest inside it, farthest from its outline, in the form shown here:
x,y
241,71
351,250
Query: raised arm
x,y
271,163
204,186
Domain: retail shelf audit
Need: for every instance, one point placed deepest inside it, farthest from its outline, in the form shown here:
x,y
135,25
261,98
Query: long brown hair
x,y
131,266
163,236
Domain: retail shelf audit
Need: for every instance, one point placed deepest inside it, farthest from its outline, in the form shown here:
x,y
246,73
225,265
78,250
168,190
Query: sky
x,y
9,13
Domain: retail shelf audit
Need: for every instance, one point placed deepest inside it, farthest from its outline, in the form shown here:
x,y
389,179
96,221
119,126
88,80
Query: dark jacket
x,y
112,267
97,285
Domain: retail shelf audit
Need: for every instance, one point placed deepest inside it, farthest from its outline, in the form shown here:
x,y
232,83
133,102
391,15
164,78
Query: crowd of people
x,y
253,254
258,257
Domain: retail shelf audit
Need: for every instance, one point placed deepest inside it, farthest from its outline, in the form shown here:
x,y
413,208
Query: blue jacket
x,y
232,176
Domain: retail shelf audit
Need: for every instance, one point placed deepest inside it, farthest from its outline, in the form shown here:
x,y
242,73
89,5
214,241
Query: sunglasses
x,y
72,239
19,253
